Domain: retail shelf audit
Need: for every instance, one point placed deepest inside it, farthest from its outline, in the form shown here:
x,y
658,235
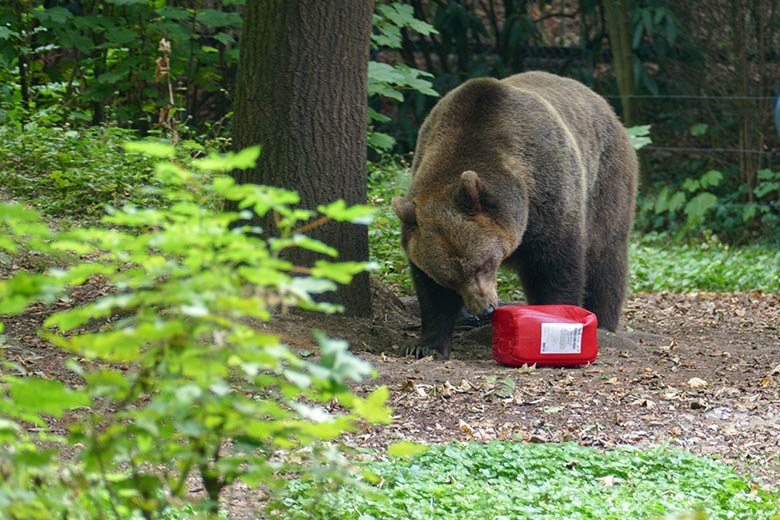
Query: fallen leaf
x,y
698,404
407,385
465,386
466,427
609,480
697,383
670,395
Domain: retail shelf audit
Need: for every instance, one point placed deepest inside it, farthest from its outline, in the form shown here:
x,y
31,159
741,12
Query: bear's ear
x,y
405,210
468,196
472,196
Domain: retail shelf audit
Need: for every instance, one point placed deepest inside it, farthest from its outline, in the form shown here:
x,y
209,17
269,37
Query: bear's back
x,y
588,116
541,119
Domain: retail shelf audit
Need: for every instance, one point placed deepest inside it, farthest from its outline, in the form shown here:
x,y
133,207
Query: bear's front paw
x,y
423,351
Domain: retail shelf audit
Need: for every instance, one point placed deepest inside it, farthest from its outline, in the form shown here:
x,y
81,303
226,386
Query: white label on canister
x,y
561,338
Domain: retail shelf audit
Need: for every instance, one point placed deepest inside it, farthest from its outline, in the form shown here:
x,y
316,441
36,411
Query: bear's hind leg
x,y
605,289
551,275
439,309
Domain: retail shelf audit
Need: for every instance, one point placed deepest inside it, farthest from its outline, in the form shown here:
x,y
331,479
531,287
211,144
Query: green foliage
x,y
762,211
385,181
504,480
75,60
655,31
73,172
390,81
709,203
639,135
682,209
179,376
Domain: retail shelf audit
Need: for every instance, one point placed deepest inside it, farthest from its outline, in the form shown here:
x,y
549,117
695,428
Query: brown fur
x,y
535,172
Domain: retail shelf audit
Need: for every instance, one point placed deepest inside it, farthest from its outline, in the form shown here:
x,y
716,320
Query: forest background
x,y
703,75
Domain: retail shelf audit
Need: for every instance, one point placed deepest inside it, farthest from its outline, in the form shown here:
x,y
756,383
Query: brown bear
x,y
534,172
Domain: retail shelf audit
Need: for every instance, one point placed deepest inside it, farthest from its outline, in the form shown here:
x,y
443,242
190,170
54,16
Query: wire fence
x,y
771,153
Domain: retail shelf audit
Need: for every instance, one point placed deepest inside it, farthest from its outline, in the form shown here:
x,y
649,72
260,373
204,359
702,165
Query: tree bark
x,y
617,15
301,94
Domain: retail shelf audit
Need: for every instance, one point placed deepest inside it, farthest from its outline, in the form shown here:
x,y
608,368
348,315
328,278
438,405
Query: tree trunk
x,y
301,94
618,19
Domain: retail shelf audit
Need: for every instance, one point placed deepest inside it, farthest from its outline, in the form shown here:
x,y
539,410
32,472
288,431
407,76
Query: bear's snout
x,y
480,296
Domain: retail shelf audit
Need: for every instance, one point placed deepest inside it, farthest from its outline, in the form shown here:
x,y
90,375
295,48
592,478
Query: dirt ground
x,y
699,371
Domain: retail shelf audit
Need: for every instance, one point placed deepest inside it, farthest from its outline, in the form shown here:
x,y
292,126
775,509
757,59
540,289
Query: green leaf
x,y
214,18
340,364
677,201
691,185
306,285
246,158
405,449
341,272
151,148
711,178
373,408
697,207
357,214
173,13
639,136
302,241
56,15
380,141
7,34
45,397
765,188
373,115
121,36
699,129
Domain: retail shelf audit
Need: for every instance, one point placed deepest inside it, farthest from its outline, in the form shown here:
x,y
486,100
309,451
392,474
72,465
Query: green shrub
x,y
181,378
73,173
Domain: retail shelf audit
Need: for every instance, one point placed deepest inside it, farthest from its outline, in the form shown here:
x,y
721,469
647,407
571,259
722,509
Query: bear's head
x,y
459,237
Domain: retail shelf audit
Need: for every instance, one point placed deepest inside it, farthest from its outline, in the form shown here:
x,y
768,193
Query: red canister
x,y
557,335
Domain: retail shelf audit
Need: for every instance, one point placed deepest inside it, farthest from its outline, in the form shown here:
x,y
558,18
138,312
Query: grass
x,y
503,480
658,262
